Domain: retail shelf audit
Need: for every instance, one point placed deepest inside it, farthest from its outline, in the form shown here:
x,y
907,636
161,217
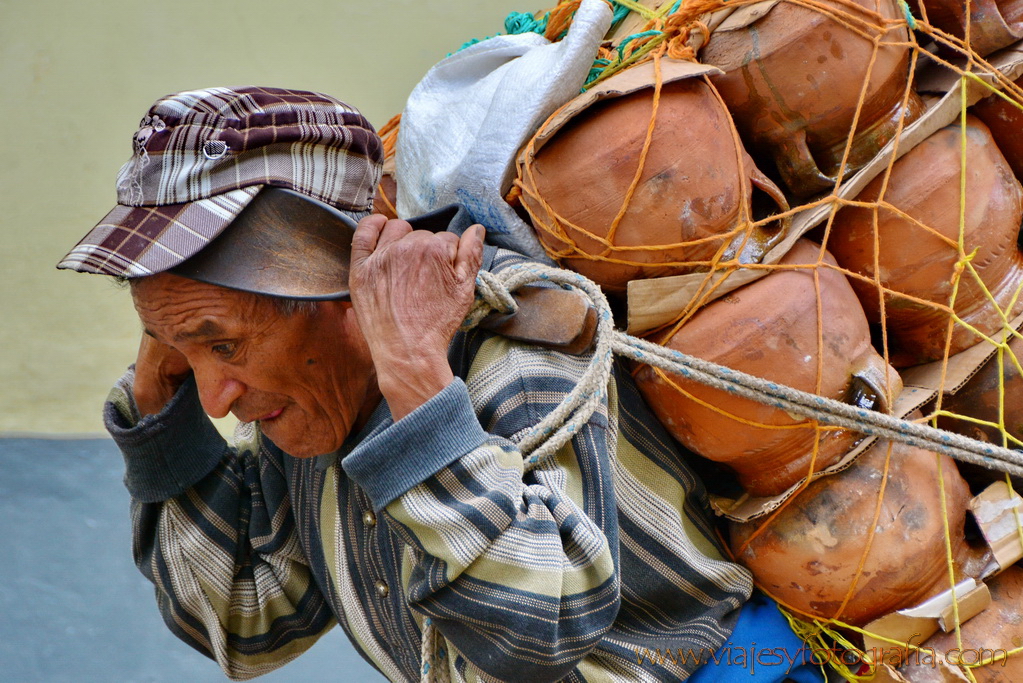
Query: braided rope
x,y
824,410
493,292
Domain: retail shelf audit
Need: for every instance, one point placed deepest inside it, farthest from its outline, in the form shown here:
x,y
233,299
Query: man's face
x,y
307,378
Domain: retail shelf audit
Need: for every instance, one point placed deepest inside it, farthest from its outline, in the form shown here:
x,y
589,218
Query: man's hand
x,y
411,290
159,371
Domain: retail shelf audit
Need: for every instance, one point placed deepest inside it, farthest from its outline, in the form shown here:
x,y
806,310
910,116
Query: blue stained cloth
x,y
762,649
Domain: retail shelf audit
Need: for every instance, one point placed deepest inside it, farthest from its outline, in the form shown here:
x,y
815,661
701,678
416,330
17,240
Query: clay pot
x,y
690,204
998,628
994,24
807,556
914,261
793,80
1005,121
386,198
980,398
769,328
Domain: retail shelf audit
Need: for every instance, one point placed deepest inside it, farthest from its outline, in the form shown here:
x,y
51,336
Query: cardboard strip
x,y
913,626
961,367
622,83
635,22
996,509
725,19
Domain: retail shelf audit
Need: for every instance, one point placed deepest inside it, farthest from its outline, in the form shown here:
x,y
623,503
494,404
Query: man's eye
x,y
225,350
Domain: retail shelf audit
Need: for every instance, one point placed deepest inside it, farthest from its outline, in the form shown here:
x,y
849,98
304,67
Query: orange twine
x,y
389,138
389,135
560,19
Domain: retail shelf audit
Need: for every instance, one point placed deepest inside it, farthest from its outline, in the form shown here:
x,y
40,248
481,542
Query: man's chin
x,y
298,446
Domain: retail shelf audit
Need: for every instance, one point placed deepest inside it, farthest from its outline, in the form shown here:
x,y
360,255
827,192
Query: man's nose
x,y
218,390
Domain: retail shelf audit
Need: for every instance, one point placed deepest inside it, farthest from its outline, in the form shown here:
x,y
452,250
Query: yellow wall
x,y
76,77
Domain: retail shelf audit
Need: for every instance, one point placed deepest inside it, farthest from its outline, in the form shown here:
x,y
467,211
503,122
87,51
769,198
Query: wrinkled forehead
x,y
174,307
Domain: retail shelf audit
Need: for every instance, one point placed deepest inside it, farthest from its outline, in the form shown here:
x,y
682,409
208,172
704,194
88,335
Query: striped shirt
x,y
567,571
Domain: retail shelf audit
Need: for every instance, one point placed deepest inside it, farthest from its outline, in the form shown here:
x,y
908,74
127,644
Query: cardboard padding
x,y
995,510
747,507
657,302
743,16
624,82
961,367
913,626
634,22
885,674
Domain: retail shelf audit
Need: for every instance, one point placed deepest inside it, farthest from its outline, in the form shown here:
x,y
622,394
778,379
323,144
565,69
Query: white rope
x,y
558,427
561,424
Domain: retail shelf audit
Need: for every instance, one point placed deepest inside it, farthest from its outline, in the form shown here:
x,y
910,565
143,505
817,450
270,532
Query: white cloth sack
x,y
465,122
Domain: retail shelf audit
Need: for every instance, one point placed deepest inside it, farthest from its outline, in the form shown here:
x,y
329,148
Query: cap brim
x,y
287,244
135,241
283,244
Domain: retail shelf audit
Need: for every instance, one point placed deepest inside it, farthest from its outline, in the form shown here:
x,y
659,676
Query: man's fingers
x,y
168,361
450,241
393,231
159,371
364,242
470,252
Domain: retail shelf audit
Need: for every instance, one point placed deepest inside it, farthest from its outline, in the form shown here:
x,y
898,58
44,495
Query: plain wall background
x,y
76,77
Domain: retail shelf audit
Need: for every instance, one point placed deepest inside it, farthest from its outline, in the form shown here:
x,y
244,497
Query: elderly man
x,y
376,479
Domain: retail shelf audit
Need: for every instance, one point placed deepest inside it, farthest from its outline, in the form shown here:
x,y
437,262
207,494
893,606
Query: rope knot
x,y
960,265
491,295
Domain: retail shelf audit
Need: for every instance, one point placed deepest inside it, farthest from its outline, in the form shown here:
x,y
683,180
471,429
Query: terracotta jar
x,y
694,199
996,630
807,556
769,328
916,262
982,398
1005,121
994,24
794,77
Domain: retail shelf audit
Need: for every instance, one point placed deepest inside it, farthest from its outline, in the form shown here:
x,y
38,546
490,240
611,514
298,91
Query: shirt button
x,y
368,518
382,589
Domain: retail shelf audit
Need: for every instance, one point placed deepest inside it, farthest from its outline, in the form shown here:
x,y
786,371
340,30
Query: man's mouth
x,y
271,416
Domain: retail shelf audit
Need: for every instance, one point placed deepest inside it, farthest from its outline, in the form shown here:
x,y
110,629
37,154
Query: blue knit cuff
x,y
422,443
166,453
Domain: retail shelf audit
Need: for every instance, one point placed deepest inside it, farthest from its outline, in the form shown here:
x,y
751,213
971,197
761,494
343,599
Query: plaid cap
x,y
201,156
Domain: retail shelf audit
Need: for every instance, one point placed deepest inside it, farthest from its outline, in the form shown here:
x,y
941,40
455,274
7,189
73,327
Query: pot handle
x,y
871,379
752,246
798,168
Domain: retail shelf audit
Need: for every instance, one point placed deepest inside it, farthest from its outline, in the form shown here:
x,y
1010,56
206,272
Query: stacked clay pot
x,y
994,394
998,628
1005,121
769,328
917,250
692,204
808,554
793,80
993,24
